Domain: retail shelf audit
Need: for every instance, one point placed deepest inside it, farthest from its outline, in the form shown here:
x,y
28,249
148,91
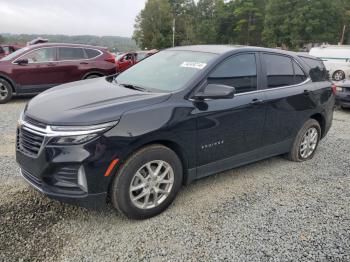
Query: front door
x,y
125,62
39,73
231,129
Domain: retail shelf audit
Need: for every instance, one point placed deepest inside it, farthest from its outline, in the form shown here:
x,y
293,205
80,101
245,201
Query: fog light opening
x,y
82,179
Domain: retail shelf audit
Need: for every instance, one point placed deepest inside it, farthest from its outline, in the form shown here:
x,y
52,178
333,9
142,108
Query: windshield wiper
x,y
134,87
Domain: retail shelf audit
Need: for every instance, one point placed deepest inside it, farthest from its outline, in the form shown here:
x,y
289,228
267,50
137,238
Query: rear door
x,y
289,99
72,63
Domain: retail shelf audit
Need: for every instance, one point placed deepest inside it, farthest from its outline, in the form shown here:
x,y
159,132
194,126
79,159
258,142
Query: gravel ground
x,y
273,210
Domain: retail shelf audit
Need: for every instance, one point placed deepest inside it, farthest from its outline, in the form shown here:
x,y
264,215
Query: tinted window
x,y
40,55
299,74
317,69
91,53
279,70
313,62
70,53
238,71
2,50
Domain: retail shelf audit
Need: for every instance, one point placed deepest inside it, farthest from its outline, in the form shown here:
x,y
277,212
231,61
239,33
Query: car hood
x,y
88,102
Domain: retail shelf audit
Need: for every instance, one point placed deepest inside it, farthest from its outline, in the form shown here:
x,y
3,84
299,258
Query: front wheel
x,y
147,183
306,142
5,91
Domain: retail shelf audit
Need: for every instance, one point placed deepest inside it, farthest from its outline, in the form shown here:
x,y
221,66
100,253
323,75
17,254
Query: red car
x,y
8,49
126,60
33,69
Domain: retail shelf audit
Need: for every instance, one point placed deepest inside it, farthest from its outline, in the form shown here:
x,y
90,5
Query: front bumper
x,y
72,174
95,201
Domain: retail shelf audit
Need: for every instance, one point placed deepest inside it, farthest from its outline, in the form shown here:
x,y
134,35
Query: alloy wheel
x,y
308,142
3,92
151,184
338,76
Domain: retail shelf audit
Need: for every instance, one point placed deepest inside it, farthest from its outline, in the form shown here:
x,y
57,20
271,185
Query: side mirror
x,y
22,61
215,91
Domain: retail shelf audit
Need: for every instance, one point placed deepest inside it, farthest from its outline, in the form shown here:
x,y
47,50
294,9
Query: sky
x,y
71,17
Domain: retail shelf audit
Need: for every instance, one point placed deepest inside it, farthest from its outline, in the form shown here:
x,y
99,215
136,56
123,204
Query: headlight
x,y
339,89
73,135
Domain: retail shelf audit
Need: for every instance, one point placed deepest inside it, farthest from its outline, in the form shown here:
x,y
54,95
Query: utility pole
x,y
174,31
343,34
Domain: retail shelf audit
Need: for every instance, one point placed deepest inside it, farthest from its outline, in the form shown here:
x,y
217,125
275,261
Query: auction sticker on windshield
x,y
196,65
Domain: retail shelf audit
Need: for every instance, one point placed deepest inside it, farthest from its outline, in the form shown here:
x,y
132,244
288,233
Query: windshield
x,y
14,54
165,71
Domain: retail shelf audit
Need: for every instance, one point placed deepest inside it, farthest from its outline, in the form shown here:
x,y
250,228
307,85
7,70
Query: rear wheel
x,y
338,75
306,142
147,183
5,91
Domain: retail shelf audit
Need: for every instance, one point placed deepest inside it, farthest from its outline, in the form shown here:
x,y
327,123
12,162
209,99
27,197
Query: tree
x,y
2,39
250,19
153,27
295,23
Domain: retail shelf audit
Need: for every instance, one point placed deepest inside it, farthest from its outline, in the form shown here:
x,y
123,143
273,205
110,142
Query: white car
x,y
338,71
336,59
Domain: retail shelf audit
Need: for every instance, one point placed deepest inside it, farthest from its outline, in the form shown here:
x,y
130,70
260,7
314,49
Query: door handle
x,y
256,102
84,63
51,64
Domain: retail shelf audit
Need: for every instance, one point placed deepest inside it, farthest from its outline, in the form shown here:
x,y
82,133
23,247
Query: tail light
x,y
110,58
334,89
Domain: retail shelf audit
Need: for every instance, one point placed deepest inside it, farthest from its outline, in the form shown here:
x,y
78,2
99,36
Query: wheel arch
x,y
177,148
322,122
9,80
94,72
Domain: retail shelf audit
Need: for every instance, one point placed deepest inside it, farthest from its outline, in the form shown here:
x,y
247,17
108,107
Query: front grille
x,y
29,142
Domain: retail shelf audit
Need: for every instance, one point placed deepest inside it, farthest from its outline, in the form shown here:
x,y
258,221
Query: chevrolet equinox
x,y
182,114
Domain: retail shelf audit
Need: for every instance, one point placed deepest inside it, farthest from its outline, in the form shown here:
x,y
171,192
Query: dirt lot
x,y
273,210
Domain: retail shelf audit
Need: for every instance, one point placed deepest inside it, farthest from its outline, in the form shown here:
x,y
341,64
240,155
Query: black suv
x,y
182,114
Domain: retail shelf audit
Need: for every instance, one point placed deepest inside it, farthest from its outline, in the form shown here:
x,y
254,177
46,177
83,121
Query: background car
x,y
8,49
343,94
336,60
36,68
127,60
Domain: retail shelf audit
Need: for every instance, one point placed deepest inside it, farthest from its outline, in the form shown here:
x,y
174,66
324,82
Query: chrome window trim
x,y
262,90
58,61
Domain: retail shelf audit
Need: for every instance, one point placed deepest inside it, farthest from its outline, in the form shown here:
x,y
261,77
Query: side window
x,y
91,53
238,71
317,70
299,75
279,70
128,57
70,53
40,55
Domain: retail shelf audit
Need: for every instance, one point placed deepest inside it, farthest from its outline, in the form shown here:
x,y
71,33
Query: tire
x,y
92,76
5,91
338,75
126,182
296,154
